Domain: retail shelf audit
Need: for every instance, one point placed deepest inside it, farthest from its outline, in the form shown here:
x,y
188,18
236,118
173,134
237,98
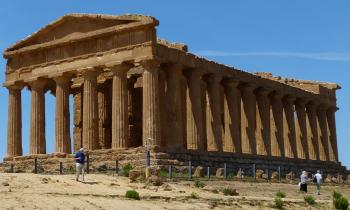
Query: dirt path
x,y
30,191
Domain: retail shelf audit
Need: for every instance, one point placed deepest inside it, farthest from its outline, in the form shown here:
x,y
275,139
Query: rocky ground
x,y
31,191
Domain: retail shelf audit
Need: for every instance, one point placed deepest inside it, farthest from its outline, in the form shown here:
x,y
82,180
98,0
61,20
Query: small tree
x,y
278,203
341,203
199,184
280,194
309,199
126,169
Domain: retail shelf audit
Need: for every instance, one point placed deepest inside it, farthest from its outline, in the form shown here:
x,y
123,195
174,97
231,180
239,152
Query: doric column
x,y
214,123
175,109
14,129
301,129
194,112
263,134
248,118
90,109
78,119
150,106
37,118
104,115
312,139
332,133
277,147
323,132
120,107
232,116
62,127
289,127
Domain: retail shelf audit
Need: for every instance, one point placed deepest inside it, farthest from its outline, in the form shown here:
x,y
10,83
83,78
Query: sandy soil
x,y
30,191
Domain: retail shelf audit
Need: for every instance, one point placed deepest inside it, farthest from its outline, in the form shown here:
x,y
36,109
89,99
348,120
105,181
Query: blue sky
x,y
299,39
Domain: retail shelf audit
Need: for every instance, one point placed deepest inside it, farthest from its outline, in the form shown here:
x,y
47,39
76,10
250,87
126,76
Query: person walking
x,y
80,163
317,180
303,182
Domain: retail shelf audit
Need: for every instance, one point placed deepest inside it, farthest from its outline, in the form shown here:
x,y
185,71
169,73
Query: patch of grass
x,y
163,173
126,169
309,199
133,194
337,195
194,195
231,176
278,203
280,194
230,192
199,184
341,203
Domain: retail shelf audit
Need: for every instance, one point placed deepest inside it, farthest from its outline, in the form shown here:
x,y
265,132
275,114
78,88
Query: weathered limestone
x,y
312,139
14,129
289,127
174,110
248,119
277,142
62,132
232,112
214,123
120,107
90,107
194,114
301,129
151,118
263,134
37,118
132,90
332,134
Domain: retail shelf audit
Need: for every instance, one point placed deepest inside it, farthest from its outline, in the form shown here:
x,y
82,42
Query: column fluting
x,y
263,134
312,139
332,133
301,129
14,129
277,146
289,127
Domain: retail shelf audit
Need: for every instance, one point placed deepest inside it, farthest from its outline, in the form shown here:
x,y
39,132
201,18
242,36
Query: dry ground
x,y
30,191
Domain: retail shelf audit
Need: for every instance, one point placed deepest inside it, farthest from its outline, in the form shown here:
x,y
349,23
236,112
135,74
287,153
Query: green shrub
x,y
126,169
199,184
341,203
337,195
278,203
309,199
230,192
132,194
280,194
194,195
163,173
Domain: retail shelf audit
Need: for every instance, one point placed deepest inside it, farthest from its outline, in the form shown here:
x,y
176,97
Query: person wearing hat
x,y
80,163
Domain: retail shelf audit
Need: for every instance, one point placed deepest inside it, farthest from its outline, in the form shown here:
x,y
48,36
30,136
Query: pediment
x,y
72,26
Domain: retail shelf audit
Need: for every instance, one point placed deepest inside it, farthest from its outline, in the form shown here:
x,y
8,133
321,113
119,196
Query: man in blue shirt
x,y
80,163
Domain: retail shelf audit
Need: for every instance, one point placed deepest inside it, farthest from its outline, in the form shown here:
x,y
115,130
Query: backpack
x,y
314,180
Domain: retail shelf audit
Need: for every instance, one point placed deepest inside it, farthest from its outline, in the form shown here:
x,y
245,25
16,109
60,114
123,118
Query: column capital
x,y
333,108
64,79
263,91
289,99
150,64
15,87
174,67
247,87
231,83
37,84
323,107
213,78
89,72
277,94
118,69
301,102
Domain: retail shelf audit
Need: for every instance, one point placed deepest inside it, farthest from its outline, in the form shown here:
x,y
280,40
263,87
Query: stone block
x,y
135,175
219,172
259,174
199,172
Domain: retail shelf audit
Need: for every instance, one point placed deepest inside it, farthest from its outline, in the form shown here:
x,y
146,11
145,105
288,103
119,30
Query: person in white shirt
x,y
303,182
318,178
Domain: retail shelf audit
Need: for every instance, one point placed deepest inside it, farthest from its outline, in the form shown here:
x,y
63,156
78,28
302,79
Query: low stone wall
x,y
103,161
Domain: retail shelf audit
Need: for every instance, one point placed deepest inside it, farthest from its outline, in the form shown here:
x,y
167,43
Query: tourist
x,y
303,182
317,180
80,163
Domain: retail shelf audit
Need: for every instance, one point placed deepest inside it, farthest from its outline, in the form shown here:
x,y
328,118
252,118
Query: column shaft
x,y
323,132
62,127
194,112
332,134
214,123
263,123
90,110
248,119
37,119
104,115
277,144
301,130
120,107
289,127
150,106
312,139
14,129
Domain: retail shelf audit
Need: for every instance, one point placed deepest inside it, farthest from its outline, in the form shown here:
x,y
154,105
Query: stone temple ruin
x,y
132,89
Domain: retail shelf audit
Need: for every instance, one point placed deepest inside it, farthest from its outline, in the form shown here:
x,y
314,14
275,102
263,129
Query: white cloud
x,y
315,56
